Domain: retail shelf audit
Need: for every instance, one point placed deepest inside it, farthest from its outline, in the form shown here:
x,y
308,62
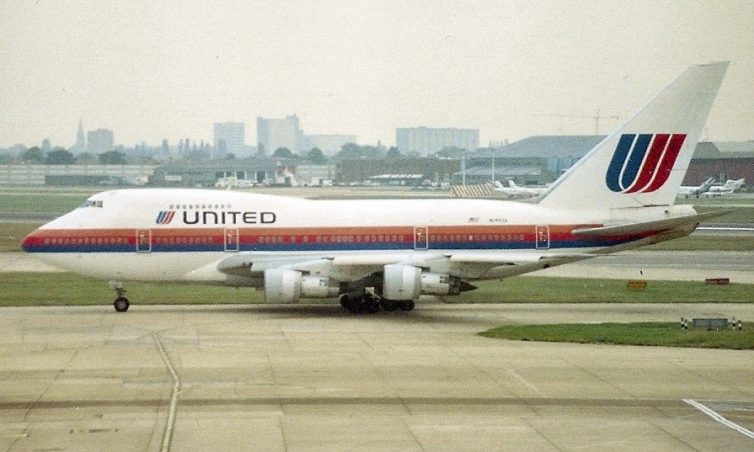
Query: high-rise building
x,y
276,133
99,141
80,145
228,137
425,140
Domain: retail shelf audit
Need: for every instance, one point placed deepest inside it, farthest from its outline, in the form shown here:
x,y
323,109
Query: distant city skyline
x,y
161,70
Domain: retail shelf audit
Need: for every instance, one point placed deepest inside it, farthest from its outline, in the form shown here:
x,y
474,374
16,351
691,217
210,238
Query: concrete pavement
x,y
315,378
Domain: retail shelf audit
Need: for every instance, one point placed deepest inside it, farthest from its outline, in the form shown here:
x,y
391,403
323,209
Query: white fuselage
x,y
181,234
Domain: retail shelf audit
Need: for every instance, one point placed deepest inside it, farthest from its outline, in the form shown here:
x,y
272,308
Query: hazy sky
x,y
154,70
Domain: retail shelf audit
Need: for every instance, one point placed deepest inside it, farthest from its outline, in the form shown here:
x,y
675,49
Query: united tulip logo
x,y
165,217
642,162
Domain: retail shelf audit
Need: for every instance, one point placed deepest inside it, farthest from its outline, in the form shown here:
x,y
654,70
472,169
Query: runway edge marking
x,y
167,437
719,418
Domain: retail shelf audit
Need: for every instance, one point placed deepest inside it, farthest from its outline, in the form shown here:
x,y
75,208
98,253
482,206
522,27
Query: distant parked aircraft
x,y
515,191
689,191
727,188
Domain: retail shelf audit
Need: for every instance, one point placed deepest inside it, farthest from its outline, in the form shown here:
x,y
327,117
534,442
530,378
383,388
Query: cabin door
x,y
542,237
421,238
231,239
143,240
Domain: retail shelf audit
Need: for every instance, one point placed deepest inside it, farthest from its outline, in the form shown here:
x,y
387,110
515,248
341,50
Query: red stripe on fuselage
x,y
266,236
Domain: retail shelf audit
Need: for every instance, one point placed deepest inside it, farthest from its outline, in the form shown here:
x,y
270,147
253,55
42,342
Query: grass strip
x,y
667,334
40,202
706,242
737,215
539,289
62,289
69,289
11,235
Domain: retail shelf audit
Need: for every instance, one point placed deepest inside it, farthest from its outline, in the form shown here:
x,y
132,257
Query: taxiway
x,y
269,377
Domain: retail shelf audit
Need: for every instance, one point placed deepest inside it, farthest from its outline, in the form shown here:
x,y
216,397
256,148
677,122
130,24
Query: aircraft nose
x,y
32,242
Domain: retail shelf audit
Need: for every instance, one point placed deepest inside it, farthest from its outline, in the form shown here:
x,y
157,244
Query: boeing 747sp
x,y
383,254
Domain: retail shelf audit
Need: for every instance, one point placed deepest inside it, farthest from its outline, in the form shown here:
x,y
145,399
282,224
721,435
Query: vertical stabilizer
x,y
644,161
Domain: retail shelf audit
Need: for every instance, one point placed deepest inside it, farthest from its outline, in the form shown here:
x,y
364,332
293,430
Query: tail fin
x,y
644,161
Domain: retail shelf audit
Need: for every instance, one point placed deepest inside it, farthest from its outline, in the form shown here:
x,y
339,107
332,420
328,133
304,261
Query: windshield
x,y
91,203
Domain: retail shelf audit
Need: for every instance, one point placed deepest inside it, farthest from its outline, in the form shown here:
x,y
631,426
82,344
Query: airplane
x,y
513,190
727,188
689,191
383,254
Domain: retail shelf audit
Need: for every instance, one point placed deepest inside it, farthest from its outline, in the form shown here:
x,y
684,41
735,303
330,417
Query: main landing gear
x,y
121,303
371,304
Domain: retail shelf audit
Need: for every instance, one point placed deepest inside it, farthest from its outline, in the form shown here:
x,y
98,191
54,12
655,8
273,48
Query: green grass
x,y
737,215
537,289
40,202
739,199
48,289
68,289
11,235
668,334
706,242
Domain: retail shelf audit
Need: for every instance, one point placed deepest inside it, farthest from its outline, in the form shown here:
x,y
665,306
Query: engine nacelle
x,y
282,285
439,284
401,282
318,287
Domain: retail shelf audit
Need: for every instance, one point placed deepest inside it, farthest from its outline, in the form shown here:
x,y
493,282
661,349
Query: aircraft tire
x,y
121,304
355,304
408,305
356,307
388,305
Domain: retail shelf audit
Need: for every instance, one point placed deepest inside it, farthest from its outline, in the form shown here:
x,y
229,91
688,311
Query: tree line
x,y
60,156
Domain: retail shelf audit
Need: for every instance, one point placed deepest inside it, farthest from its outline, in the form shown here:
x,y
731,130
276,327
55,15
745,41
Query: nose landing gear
x,y
121,303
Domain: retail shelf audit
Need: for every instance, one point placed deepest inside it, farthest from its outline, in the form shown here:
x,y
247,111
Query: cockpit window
x,y
91,203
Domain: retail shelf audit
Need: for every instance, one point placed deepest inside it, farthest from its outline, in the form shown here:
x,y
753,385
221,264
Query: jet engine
x,y
440,284
406,282
401,282
287,286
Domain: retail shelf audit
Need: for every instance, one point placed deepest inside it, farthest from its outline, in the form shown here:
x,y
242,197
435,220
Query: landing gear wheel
x,y
121,304
356,306
408,305
388,305
353,303
372,307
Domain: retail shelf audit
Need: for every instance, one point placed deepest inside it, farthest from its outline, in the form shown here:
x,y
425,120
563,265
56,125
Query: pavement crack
x,y
167,436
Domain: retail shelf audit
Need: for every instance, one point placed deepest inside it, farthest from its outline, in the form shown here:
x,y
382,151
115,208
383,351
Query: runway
x,y
270,377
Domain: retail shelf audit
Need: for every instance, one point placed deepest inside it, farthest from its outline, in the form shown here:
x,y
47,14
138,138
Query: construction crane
x,y
596,117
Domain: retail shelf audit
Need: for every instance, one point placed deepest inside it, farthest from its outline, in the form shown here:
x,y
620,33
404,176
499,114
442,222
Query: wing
x,y
347,267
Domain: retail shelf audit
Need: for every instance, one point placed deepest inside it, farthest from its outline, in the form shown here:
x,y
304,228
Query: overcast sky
x,y
154,70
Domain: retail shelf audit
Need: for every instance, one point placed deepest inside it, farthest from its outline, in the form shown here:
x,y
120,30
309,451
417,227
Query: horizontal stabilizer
x,y
649,226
